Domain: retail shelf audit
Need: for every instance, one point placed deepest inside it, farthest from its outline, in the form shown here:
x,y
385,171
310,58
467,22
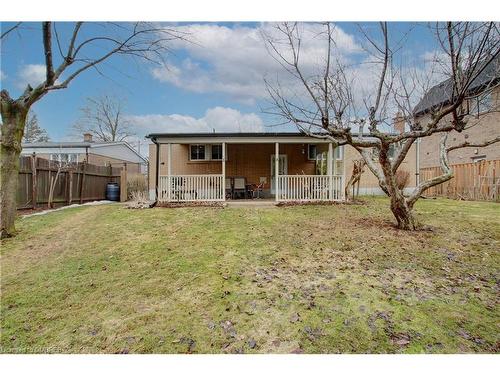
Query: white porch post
x,y
169,171
329,168
223,187
276,170
343,172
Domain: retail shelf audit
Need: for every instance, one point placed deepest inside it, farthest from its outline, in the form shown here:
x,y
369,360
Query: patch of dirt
x,y
191,204
314,203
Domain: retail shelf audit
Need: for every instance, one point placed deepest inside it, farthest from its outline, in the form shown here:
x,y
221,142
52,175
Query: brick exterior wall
x,y
488,126
253,161
369,183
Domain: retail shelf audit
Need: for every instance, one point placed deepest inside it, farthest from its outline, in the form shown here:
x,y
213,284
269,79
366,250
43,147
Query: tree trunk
x,y
13,121
400,208
402,212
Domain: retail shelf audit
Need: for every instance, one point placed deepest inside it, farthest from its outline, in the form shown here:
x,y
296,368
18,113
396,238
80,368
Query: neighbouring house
x,y
483,124
284,166
115,154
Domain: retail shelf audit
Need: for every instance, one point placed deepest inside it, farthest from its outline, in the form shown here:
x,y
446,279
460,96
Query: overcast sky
x,y
214,81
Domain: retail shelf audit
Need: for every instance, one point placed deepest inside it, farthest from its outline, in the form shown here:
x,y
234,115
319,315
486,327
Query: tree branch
x,y
6,32
47,46
471,144
445,167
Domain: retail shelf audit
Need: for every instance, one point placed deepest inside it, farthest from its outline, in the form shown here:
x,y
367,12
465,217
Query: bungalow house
x,y
116,154
282,166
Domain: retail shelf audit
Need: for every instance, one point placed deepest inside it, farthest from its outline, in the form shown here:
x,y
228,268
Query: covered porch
x,y
216,167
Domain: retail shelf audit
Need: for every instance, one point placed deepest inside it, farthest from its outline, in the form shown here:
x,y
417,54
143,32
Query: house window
x,y
339,153
312,151
390,153
216,152
197,152
481,104
64,158
478,158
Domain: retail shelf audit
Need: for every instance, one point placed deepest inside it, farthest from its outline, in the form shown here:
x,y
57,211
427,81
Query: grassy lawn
x,y
312,279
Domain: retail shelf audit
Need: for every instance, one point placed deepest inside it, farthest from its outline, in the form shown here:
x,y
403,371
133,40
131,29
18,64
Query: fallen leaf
x,y
252,344
295,318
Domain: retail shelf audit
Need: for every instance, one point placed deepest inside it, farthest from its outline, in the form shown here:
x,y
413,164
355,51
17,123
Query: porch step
x,y
251,203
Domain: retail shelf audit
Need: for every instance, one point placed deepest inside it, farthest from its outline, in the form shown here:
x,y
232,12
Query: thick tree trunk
x,y
400,208
13,121
402,212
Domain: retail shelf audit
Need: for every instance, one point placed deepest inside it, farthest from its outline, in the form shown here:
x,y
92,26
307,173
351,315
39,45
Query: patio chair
x,y
239,186
256,190
229,188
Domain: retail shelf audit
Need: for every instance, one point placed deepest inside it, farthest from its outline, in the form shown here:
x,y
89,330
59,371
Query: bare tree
x,y
62,166
66,59
33,132
329,107
104,118
358,169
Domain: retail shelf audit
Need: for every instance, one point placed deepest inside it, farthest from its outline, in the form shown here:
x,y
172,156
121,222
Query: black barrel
x,y
113,192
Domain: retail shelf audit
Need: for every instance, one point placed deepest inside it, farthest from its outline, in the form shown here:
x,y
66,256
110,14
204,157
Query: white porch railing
x,y
191,188
310,188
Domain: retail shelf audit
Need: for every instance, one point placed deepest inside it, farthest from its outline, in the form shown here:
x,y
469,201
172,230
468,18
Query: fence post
x,y
83,181
70,187
123,185
33,179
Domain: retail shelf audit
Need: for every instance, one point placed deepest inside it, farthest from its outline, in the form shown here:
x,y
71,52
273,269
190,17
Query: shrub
x,y
136,184
139,199
402,179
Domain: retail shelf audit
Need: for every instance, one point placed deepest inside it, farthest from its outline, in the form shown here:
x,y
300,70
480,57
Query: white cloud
x,y
2,75
234,61
219,118
32,74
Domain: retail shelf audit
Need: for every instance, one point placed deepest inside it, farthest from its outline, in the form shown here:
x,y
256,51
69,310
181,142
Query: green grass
x,y
312,279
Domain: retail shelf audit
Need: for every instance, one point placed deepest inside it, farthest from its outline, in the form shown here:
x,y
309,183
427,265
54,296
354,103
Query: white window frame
x,y
309,151
478,158
208,151
198,144
72,157
339,155
211,151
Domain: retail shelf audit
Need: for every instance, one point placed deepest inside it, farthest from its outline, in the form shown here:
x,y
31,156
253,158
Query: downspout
x,y
417,163
157,171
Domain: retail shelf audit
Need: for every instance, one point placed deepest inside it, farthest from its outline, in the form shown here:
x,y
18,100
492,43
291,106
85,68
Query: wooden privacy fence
x,y
474,181
78,183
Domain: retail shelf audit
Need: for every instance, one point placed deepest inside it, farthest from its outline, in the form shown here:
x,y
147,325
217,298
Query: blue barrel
x,y
113,192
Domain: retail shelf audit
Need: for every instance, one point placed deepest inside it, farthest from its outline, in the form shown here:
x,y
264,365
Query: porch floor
x,y
251,203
